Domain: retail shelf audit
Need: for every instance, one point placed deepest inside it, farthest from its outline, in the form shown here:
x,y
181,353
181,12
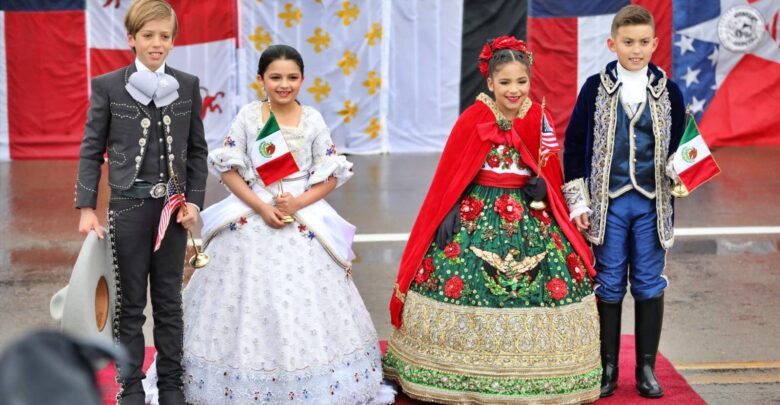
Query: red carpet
x,y
677,391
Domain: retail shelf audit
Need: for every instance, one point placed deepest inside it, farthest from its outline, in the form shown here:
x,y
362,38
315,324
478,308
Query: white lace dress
x,y
274,318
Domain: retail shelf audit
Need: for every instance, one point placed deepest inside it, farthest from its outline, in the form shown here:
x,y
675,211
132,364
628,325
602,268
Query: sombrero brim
x,y
85,307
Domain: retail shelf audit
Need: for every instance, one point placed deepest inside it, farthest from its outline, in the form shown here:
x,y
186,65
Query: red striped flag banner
x,y
550,143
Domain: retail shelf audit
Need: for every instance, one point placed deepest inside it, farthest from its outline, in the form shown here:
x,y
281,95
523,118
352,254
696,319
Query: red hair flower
x,y
504,42
470,208
557,288
453,287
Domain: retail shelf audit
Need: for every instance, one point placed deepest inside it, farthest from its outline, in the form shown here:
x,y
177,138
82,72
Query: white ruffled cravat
x,y
634,88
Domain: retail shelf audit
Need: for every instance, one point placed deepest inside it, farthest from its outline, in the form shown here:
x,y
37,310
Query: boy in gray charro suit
x,y
147,117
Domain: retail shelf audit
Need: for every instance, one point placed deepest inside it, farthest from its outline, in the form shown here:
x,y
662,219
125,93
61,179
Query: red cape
x,y
467,148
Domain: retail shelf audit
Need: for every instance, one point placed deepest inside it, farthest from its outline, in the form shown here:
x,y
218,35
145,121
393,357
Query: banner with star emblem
x,y
724,55
727,62
343,48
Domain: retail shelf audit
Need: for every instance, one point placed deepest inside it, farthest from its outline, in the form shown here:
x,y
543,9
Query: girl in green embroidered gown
x,y
494,301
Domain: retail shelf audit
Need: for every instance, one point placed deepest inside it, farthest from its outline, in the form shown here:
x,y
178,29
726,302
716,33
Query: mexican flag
x,y
693,161
271,154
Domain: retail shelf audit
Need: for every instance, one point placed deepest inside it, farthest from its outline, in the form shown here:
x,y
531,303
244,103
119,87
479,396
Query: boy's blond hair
x,y
632,15
143,11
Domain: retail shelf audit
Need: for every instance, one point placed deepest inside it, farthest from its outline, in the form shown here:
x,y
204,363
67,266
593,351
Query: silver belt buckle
x,y
158,190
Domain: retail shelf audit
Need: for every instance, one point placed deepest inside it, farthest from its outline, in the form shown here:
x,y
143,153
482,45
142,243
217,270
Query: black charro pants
x,y
133,223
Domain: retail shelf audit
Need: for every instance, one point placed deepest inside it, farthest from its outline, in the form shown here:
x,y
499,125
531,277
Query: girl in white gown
x,y
275,317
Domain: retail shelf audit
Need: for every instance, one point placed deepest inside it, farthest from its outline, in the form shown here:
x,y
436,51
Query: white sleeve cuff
x,y
579,211
576,195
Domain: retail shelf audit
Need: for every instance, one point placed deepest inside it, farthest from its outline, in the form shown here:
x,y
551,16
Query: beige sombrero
x,y
85,307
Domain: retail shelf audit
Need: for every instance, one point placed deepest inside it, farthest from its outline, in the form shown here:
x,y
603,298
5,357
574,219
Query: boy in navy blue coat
x,y
624,130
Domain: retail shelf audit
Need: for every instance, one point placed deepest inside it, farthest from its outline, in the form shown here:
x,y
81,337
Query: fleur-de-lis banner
x,y
387,75
343,48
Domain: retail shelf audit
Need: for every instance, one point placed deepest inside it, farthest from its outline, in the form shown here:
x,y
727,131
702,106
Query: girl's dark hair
x,y
503,56
276,52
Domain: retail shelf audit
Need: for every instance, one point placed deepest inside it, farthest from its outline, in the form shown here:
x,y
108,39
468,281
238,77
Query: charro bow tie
x,y
146,86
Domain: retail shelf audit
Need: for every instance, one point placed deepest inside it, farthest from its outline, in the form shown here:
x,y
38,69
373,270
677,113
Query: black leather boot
x,y
649,318
609,320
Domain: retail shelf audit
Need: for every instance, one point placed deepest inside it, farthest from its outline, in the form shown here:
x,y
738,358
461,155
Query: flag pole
x,y
287,218
540,205
199,259
539,158
678,189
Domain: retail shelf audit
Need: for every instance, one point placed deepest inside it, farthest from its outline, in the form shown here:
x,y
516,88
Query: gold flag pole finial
x,y
200,259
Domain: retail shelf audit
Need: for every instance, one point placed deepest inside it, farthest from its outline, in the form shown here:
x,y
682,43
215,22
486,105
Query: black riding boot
x,y
609,320
649,318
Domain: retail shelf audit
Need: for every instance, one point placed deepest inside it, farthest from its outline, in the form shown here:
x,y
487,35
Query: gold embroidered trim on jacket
x,y
488,101
604,123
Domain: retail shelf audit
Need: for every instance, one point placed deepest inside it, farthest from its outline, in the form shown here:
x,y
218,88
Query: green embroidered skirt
x,y
505,313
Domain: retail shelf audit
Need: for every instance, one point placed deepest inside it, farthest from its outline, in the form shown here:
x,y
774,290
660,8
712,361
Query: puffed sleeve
x,y
233,153
325,161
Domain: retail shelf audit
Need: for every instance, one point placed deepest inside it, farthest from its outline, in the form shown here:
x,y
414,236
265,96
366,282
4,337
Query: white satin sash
x,y
332,231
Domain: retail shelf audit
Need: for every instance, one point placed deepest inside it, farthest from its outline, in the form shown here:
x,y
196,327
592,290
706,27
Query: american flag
x,y
175,200
549,143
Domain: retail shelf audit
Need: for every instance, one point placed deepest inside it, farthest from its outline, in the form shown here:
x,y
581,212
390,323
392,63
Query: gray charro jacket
x,y
114,125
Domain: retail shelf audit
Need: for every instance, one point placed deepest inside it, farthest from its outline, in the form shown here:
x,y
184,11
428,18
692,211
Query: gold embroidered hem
x,y
445,397
461,354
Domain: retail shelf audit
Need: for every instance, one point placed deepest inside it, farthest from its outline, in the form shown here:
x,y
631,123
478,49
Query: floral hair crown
x,y
505,42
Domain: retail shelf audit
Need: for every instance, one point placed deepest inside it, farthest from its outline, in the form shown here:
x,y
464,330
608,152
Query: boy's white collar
x,y
625,75
634,84
139,66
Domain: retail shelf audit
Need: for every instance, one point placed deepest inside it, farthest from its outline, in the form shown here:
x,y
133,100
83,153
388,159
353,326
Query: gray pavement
x,y
721,329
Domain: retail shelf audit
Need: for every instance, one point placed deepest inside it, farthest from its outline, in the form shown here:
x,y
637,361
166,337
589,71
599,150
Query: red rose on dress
x,y
508,160
508,208
575,267
557,288
558,242
452,250
506,151
453,287
428,264
541,215
493,161
424,272
470,208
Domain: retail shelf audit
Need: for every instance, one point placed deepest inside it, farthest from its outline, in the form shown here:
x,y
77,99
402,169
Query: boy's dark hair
x,y
503,56
632,15
143,11
275,52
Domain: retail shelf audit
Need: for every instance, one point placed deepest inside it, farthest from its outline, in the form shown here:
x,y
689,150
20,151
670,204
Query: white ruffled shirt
x,y
634,88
